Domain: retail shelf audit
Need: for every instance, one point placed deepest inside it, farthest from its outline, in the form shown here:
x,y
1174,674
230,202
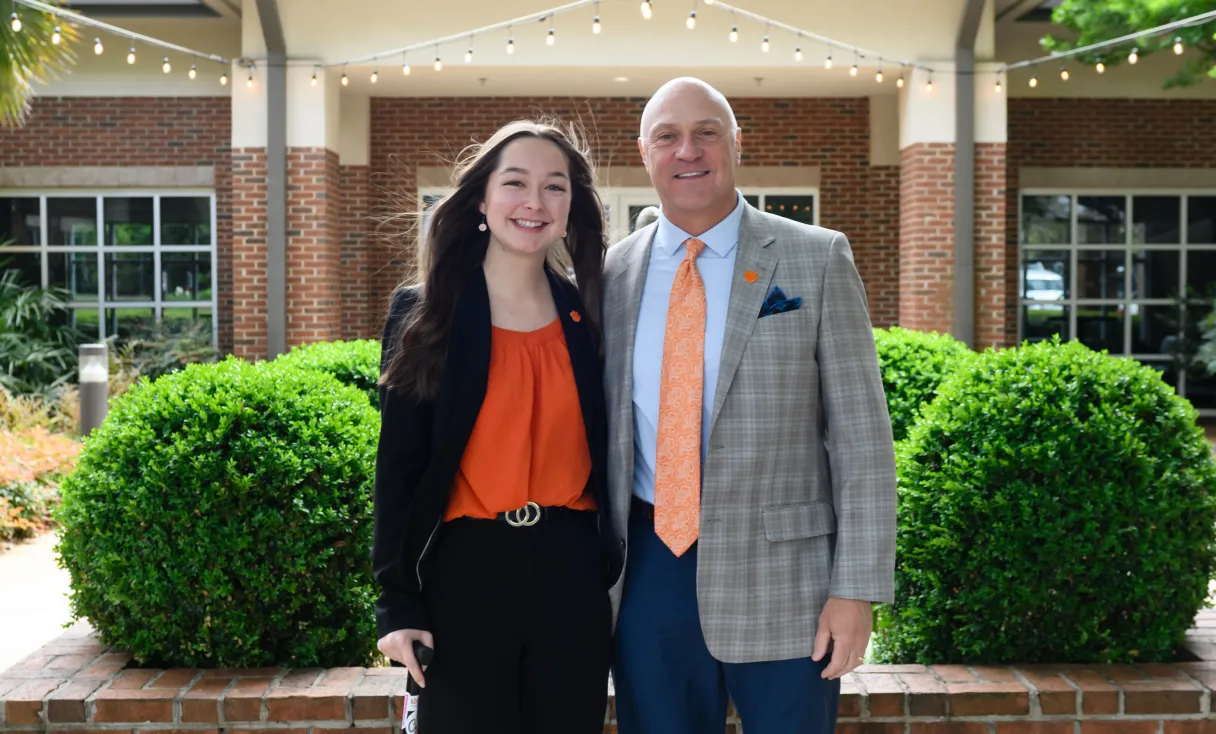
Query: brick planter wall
x,y
75,684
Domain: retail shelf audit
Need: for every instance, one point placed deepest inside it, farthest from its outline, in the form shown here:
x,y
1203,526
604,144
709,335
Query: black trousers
x,y
522,626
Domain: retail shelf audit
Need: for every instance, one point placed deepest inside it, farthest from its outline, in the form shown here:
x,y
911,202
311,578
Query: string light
x,y
375,76
194,71
798,53
249,81
900,81
314,79
734,34
224,79
691,23
929,85
468,55
853,71
1101,67
345,81
97,47
15,22
1034,81
878,76
827,63
1178,46
1134,56
131,56
647,9
405,67
438,64
764,45
998,85
595,25
510,45
165,66
56,37
550,39
1063,73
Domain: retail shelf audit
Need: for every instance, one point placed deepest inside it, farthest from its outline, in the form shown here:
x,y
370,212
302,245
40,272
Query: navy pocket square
x,y
776,303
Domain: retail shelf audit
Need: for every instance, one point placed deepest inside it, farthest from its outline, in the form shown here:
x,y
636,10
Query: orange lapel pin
x,y
751,276
574,316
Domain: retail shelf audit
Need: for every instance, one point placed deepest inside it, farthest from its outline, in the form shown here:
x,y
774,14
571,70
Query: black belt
x,y
532,513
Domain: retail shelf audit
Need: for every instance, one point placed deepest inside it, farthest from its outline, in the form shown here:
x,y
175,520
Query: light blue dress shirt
x,y
716,265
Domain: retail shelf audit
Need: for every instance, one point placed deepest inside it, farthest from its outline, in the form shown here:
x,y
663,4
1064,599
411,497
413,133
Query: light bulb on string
x,y
165,67
1100,67
345,80
551,38
929,85
14,22
878,77
193,71
468,55
438,64
510,45
900,81
998,85
405,67
224,79
734,34
56,37
595,25
97,47
131,56
249,81
853,70
1178,49
798,53
691,23
375,77
827,63
1034,81
764,45
647,9
1063,73
1134,56
313,82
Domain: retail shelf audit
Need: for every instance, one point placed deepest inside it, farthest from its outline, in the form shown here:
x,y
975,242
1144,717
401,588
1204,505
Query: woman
x,y
492,540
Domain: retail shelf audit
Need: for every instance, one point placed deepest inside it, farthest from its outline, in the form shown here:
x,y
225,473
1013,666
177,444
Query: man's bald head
x,y
684,90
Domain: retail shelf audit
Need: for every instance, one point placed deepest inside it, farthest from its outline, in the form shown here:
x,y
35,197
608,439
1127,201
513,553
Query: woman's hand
x,y
399,646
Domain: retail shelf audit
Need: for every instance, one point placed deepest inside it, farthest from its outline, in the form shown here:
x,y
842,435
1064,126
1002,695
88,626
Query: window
x,y
1130,273
623,205
125,259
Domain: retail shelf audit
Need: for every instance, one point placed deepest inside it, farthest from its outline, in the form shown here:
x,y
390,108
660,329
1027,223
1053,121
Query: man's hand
x,y
399,646
847,624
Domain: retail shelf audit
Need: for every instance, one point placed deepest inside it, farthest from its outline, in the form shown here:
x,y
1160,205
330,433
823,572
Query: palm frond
x,y
29,56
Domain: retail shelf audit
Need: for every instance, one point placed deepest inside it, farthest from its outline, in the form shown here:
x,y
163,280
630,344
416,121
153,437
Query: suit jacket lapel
x,y
467,371
746,298
629,300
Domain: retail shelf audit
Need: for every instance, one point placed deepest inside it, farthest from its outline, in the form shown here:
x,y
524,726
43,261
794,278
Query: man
x,y
751,462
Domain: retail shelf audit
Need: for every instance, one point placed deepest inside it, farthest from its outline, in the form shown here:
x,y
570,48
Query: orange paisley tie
x,y
677,481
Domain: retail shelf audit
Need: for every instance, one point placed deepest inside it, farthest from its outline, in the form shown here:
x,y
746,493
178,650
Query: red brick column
x,y
926,237
360,319
313,246
990,250
879,263
249,252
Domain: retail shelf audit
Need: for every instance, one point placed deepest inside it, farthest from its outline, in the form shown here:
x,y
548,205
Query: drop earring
x,y
482,226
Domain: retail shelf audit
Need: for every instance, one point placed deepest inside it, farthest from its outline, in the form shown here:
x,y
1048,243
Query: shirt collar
x,y
721,238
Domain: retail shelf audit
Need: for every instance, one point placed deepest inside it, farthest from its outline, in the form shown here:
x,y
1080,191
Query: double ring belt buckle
x,y
526,516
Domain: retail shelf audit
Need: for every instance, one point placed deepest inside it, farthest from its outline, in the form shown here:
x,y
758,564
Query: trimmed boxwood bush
x,y
222,517
913,363
1056,505
355,363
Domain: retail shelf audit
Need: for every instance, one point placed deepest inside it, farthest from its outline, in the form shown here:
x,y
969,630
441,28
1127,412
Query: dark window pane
x,y
29,264
1201,220
71,221
1201,273
129,276
185,276
1201,388
798,208
1046,220
1042,320
75,272
87,320
1044,275
185,220
1156,220
1101,327
1100,273
1155,329
179,320
19,221
1101,220
128,221
128,322
1156,274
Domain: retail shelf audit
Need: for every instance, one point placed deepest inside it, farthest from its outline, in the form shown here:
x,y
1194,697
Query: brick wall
x,y
990,272
136,131
1123,133
830,133
355,258
249,251
314,220
926,237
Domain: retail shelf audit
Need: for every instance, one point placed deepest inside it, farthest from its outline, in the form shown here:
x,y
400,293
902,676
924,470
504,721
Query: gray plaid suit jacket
x,y
798,490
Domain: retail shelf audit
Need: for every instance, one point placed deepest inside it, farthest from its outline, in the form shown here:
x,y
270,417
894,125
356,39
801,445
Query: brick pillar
x,y
926,222
358,321
314,308
249,252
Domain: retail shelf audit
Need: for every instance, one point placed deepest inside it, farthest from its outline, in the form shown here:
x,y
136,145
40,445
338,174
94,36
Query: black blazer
x,y
422,443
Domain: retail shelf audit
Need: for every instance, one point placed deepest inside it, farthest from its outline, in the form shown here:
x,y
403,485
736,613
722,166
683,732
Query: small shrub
x,y
32,463
913,363
222,517
1056,505
37,350
355,363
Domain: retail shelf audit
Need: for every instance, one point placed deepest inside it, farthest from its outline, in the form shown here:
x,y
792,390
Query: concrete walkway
x,y
33,598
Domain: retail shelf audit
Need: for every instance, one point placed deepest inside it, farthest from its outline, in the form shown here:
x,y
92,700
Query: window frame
x,y
1129,248
103,303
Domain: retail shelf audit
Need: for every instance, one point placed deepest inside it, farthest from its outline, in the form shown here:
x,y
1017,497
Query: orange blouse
x,y
529,442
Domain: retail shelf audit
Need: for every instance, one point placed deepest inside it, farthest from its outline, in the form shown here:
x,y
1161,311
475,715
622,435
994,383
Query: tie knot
x,y
695,248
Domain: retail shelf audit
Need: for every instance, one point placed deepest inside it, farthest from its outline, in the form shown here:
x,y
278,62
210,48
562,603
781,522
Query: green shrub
x,y
913,363
1056,505
222,517
355,363
37,347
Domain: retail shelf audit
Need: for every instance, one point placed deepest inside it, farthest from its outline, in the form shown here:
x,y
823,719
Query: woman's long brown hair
x,y
455,248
